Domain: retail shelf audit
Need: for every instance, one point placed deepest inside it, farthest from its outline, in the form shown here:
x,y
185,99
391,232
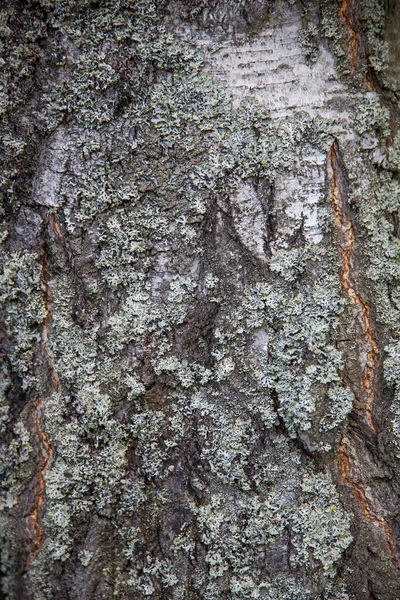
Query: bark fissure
x,y
346,227
347,13
35,530
348,451
362,493
45,446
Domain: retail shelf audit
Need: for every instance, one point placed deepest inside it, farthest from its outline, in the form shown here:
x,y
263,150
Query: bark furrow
x,y
347,447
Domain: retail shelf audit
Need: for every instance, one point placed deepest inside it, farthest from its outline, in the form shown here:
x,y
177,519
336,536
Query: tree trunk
x,y
200,299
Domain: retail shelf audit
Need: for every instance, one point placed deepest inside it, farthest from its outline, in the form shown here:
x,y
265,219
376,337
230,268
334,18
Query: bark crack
x,y
45,446
33,519
346,227
348,451
347,13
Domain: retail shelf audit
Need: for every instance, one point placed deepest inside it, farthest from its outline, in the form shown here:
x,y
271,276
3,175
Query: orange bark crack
x,y
33,519
346,227
347,12
361,491
45,446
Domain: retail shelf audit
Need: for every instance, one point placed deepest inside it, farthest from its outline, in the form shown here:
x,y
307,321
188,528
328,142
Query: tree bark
x,y
200,293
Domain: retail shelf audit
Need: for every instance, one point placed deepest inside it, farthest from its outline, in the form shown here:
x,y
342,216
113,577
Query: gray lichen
x,y
195,319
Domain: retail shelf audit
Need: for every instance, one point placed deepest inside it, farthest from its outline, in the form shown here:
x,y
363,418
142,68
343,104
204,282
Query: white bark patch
x,y
298,195
52,165
261,342
249,220
272,68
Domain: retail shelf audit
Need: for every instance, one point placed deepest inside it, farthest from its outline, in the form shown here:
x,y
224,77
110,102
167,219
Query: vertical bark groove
x,y
34,527
33,520
347,447
346,227
347,13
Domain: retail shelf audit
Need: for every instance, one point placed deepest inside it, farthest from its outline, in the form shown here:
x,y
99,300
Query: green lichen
x,y
371,116
22,306
309,41
171,348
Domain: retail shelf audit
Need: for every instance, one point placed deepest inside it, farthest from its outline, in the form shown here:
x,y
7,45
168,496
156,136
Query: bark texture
x,y
200,299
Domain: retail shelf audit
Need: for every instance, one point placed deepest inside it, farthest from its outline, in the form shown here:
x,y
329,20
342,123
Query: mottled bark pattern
x,y
200,299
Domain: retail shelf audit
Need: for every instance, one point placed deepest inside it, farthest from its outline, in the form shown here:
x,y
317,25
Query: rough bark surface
x,y
200,299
